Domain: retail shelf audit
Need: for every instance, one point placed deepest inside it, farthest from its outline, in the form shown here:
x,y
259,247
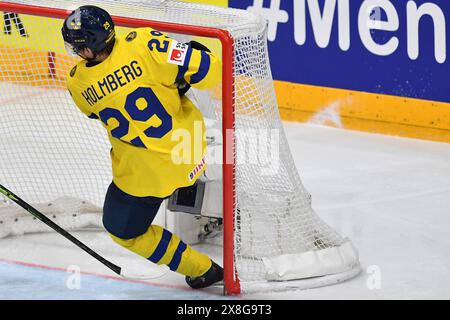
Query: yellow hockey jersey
x,y
157,137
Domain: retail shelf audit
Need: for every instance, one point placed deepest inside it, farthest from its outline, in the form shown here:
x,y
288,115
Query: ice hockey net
x,y
55,158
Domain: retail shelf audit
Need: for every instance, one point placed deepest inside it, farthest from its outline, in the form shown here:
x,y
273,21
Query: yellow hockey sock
x,y
160,246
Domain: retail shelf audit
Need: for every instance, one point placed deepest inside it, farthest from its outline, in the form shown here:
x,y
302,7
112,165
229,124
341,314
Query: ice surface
x,y
389,195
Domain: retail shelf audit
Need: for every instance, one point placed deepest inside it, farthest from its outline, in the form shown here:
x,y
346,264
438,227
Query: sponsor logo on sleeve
x,y
177,53
197,168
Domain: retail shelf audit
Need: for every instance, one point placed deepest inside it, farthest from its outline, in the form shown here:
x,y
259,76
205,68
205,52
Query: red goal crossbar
x,y
231,281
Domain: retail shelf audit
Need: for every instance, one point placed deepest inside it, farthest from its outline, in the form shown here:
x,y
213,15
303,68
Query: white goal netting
x,y
51,154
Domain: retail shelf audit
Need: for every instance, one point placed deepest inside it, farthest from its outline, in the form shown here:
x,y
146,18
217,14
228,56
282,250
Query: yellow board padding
x,y
24,57
363,111
41,34
25,60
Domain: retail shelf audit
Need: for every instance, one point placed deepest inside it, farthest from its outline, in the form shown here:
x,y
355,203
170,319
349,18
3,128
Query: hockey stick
x,y
58,229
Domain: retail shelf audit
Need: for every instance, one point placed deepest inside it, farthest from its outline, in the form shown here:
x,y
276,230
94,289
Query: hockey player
x,y
135,86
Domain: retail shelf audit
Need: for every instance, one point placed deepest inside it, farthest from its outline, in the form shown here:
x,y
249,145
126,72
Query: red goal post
x,y
231,282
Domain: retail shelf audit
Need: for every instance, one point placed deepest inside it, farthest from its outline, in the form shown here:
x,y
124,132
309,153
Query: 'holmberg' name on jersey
x,y
112,82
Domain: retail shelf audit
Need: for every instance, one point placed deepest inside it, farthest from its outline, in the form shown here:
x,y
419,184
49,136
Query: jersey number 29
x,y
154,107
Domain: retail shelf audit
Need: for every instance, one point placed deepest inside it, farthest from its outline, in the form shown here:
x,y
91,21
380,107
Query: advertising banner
x,y
396,47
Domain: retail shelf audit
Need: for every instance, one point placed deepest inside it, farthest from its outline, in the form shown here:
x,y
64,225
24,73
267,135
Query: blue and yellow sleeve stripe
x,y
201,69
